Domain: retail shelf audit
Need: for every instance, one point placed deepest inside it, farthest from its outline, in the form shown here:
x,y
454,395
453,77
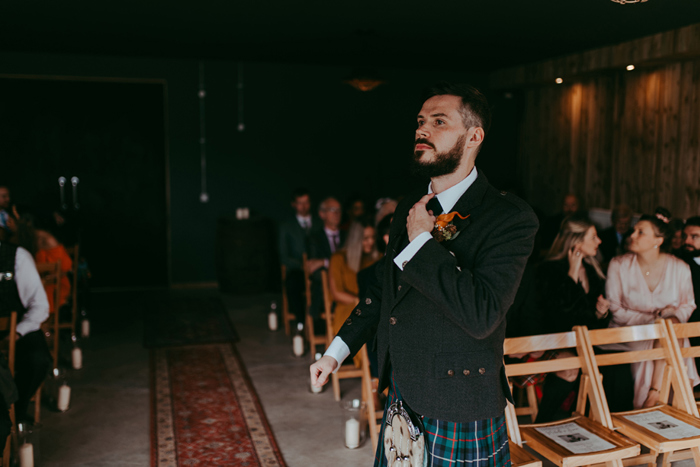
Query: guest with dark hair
x,y
293,243
614,237
568,291
676,227
644,285
354,211
550,228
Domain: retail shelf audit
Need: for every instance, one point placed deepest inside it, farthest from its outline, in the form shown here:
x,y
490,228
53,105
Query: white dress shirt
x,y
697,260
448,198
304,222
31,293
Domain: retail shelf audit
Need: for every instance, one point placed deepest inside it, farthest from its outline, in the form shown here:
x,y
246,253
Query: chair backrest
x,y
678,331
307,281
553,342
50,274
659,331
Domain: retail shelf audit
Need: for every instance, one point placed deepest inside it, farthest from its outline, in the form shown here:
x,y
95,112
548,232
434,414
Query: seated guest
x,y
24,293
642,286
293,243
49,250
690,253
550,228
613,238
384,207
359,252
568,291
322,244
354,211
676,227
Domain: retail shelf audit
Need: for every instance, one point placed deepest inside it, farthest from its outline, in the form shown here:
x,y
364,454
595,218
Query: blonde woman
x,y
569,287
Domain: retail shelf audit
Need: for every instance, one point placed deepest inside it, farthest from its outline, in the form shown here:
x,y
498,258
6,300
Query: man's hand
x,y
419,219
321,370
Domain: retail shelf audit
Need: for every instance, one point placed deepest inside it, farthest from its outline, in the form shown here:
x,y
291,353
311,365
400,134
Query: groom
x,y
440,300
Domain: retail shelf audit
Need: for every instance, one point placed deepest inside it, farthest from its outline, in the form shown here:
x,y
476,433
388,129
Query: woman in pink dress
x,y
642,286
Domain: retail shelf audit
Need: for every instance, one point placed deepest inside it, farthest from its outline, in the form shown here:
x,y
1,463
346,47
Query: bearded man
x,y
690,253
439,304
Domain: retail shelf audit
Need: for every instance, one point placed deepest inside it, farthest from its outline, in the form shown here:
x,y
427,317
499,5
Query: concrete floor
x,y
108,422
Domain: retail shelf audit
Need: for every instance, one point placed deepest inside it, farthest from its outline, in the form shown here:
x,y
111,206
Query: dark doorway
x,y
111,136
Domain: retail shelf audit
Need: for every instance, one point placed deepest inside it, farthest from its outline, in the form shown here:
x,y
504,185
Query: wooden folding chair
x,y
311,336
675,377
531,408
9,324
50,274
349,370
286,315
600,425
675,332
74,253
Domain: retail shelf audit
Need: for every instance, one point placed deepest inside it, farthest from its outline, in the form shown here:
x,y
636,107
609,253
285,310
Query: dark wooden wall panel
x,y
617,137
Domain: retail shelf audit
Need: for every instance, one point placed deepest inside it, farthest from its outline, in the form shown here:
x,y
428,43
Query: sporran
x,y
404,438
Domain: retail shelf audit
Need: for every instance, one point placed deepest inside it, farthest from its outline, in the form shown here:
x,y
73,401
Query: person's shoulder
x,y
509,204
625,260
677,262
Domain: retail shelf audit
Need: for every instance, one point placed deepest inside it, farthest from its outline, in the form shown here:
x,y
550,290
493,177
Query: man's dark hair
x,y
475,108
299,192
693,221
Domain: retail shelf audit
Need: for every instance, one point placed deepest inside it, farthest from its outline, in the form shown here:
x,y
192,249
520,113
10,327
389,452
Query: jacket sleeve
x,y
477,300
361,326
285,255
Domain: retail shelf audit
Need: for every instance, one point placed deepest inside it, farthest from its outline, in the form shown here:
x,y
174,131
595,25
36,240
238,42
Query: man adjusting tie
x,y
454,261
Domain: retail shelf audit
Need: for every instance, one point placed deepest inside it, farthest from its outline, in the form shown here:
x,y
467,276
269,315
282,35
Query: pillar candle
x,y
272,321
352,433
77,358
85,327
298,345
316,390
26,455
63,397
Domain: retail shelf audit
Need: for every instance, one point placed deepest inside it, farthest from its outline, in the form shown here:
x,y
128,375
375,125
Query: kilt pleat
x,y
483,443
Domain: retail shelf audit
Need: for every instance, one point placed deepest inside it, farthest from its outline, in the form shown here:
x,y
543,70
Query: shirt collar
x,y
331,233
449,197
304,219
697,260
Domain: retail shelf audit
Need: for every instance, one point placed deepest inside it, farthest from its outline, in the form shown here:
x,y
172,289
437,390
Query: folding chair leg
x,y
37,406
696,455
336,386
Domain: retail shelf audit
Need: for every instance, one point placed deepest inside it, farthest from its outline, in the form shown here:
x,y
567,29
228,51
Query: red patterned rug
x,y
205,412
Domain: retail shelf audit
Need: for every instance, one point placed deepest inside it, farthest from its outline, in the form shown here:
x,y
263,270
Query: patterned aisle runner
x,y
205,410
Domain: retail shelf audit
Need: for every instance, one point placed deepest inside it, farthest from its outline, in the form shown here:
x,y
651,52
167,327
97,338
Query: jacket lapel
x,y
467,204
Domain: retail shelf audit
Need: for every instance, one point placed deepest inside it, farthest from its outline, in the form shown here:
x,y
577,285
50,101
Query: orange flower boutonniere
x,y
444,228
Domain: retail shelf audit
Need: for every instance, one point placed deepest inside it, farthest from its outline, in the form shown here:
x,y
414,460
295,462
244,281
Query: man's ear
x,y
475,137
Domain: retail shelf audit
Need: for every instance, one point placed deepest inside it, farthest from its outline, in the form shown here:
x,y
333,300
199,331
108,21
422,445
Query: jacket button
x,y
358,312
450,372
368,301
482,371
466,372
348,322
392,320
399,288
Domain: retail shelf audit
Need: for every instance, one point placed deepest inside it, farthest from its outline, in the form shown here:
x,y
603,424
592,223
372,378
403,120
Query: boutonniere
x,y
444,228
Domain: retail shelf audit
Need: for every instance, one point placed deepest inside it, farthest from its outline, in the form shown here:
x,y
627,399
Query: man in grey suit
x,y
293,243
439,304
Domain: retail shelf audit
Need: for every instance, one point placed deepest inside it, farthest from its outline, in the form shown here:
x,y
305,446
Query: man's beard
x,y
444,163
692,251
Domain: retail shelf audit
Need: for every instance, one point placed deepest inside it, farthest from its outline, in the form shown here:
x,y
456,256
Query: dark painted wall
x,y
303,126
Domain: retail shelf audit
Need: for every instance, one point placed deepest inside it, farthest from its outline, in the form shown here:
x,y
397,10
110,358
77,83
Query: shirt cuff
x,y
410,251
338,350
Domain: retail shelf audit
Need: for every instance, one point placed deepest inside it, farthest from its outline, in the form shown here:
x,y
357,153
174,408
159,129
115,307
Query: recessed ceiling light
x,y
630,67
558,80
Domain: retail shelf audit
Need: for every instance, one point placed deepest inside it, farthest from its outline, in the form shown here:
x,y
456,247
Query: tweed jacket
x,y
440,323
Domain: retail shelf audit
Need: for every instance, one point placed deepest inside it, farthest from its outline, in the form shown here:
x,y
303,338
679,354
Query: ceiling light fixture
x,y
364,79
623,2
558,80
630,67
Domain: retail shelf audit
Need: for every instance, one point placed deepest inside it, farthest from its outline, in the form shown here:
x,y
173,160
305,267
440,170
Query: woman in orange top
x,y
49,250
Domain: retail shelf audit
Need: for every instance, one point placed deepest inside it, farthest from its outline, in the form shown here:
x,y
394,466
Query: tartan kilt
x,y
483,443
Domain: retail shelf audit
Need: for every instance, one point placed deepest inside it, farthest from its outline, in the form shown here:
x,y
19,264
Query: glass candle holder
x,y
355,423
